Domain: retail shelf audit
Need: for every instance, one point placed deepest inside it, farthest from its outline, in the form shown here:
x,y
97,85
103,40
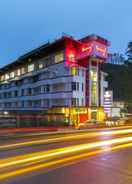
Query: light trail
x,y
66,161
73,131
66,138
18,160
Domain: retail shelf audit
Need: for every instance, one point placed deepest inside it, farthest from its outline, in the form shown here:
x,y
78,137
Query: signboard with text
x,y
93,48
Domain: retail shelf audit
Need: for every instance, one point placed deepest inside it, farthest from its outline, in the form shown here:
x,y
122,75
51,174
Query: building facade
x,y
58,82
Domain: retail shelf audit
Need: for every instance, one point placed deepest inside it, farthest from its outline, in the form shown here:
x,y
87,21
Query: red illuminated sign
x,y
93,48
100,50
89,49
81,51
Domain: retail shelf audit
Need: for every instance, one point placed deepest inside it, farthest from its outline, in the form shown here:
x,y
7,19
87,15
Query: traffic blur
x,y
25,158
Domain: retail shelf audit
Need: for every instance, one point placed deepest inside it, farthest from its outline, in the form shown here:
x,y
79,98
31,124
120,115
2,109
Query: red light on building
x,y
70,57
84,51
78,53
89,49
102,50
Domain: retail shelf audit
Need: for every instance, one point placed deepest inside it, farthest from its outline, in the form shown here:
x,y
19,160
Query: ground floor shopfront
x,y
55,117
75,116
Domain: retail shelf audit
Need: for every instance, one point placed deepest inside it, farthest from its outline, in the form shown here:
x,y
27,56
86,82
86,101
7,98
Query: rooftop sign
x,y
93,48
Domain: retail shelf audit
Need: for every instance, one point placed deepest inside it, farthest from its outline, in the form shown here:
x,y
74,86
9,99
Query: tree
x,y
129,52
120,80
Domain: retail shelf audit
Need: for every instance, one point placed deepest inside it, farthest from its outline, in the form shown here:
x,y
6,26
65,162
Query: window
x,y
59,57
35,78
9,94
75,86
29,91
22,92
22,103
12,74
30,67
74,71
2,78
93,78
5,95
18,72
82,102
15,93
83,73
37,90
82,87
7,76
40,65
75,102
19,83
45,103
93,74
78,72
47,61
5,86
37,103
29,103
12,84
46,88
94,93
8,104
23,70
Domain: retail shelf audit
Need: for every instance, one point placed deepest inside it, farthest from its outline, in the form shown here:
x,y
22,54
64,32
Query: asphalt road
x,y
101,156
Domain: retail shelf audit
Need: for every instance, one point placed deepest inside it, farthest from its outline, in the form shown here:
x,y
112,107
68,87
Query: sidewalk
x,y
27,130
8,132
32,131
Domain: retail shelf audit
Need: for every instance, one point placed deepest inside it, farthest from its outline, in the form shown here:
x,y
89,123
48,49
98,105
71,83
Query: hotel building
x,y
59,82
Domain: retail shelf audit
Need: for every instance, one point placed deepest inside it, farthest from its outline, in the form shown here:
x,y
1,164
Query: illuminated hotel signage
x,y
93,48
99,50
108,102
84,50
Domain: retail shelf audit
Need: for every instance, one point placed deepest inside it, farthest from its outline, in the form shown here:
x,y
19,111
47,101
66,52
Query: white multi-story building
x,y
58,81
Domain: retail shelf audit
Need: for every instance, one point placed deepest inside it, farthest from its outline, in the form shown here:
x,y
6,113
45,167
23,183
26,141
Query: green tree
x,y
129,52
120,80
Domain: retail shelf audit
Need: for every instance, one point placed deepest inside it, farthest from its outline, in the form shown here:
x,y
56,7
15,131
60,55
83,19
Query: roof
x,y
96,38
49,47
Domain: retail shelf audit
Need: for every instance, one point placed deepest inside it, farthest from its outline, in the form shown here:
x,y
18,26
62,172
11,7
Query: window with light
x,y
59,57
30,67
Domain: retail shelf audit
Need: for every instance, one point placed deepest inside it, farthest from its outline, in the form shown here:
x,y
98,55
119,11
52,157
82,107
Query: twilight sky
x,y
26,24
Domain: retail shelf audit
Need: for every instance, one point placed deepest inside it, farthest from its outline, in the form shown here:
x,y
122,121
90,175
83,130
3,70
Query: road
x,y
97,156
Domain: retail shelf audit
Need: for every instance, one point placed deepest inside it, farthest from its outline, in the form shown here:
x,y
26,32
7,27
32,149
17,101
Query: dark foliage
x,y
129,52
120,81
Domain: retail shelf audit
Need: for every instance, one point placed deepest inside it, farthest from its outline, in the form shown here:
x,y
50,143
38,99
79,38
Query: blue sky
x,y
26,24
